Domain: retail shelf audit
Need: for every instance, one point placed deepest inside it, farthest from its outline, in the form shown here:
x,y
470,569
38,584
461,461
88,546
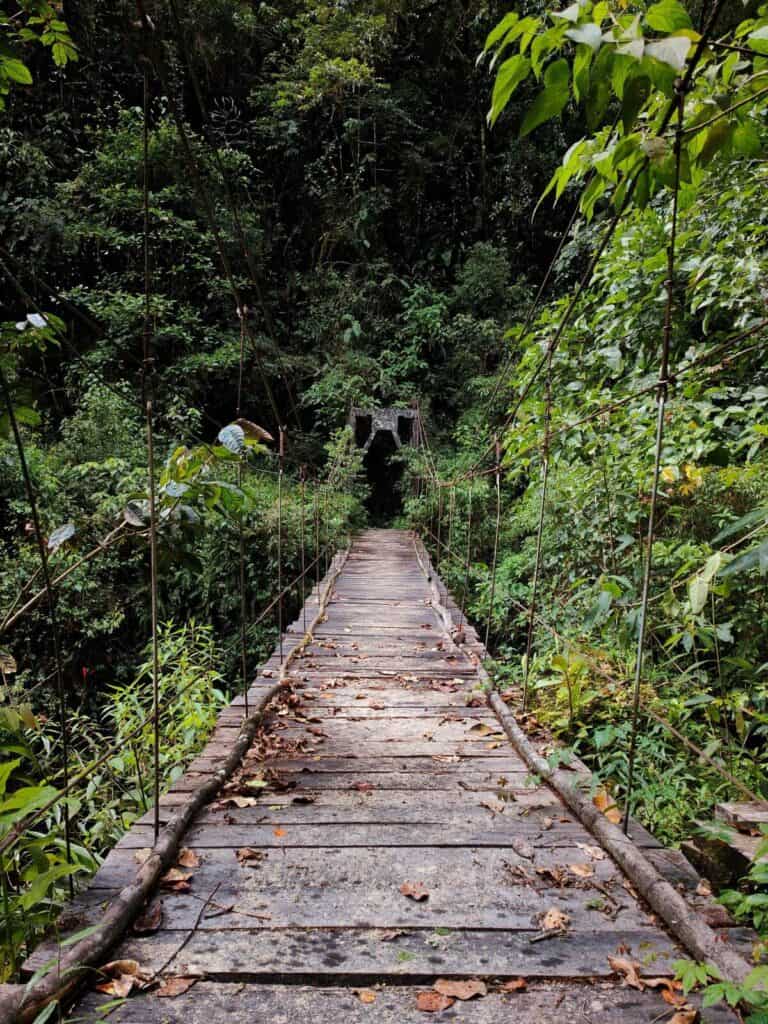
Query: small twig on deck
x,y
231,909
188,936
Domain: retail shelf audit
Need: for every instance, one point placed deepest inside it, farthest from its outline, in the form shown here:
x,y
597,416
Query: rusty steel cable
x,y
539,538
52,617
465,590
147,391
658,450
280,543
303,549
497,532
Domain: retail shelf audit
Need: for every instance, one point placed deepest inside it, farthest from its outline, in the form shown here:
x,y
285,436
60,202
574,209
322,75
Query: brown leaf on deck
x,y
628,969
554,920
122,977
430,1001
416,891
188,858
605,803
150,920
365,995
466,989
247,855
515,985
176,880
177,986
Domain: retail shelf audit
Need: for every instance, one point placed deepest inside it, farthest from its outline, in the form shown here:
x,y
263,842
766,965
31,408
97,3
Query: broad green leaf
x,y
667,16
717,138
511,73
232,438
758,40
636,93
698,591
5,773
755,558
550,102
570,13
16,71
757,515
672,51
498,33
28,416
746,140
588,34
60,536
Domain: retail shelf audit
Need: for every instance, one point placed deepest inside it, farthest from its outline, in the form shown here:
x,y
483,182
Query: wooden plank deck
x,y
385,770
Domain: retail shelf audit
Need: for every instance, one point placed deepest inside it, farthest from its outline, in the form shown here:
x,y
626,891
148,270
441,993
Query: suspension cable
x,y
492,594
462,613
302,529
147,390
280,542
661,405
52,616
539,536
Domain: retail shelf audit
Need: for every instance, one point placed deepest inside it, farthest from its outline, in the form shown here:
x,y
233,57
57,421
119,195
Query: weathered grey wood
x,y
746,817
378,776
601,1003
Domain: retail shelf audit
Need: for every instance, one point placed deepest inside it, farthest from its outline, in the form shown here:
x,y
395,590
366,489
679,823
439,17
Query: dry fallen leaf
x,y
432,1002
414,891
188,858
141,855
703,888
362,787
628,969
554,920
604,802
150,920
686,1016
122,977
279,832
514,985
523,849
249,856
461,989
481,729
176,880
581,870
390,934
595,852
365,995
494,806
239,801
176,986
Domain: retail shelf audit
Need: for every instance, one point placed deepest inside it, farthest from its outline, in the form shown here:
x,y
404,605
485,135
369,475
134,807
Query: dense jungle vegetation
x,y
381,203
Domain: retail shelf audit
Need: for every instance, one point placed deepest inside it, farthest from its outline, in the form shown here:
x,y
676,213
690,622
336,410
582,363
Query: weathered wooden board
x,y
206,1002
378,777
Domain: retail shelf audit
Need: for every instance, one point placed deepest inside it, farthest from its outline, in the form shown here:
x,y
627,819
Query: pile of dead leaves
x,y
669,989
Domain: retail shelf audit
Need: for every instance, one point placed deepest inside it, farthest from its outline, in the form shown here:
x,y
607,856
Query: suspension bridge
x,y
370,831
379,847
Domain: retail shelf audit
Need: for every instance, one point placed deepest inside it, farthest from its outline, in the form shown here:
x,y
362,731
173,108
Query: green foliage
x,y
32,22
623,64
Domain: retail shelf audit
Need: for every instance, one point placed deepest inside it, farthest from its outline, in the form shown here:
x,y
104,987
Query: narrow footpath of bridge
x,y
382,842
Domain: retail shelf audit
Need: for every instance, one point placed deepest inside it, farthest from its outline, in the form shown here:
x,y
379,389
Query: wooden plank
x,y
258,954
746,817
231,1002
349,806
337,887
281,832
